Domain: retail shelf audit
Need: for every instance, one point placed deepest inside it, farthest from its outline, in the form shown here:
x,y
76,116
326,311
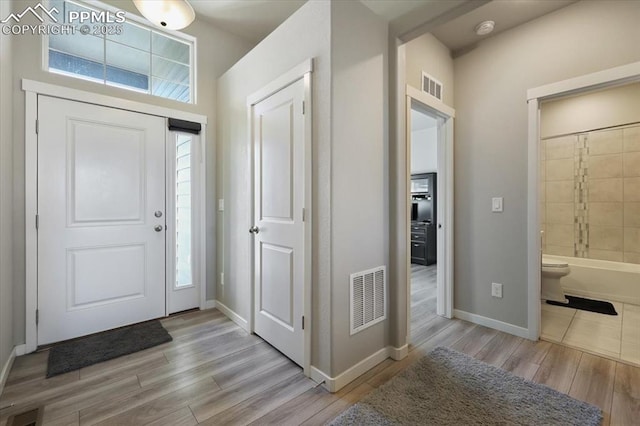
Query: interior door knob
x,y
158,228
254,230
439,226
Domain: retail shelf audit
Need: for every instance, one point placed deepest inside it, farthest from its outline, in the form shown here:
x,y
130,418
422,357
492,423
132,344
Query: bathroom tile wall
x,y
590,197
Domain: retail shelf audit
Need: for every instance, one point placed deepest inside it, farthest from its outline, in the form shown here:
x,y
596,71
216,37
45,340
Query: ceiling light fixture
x,y
170,14
485,27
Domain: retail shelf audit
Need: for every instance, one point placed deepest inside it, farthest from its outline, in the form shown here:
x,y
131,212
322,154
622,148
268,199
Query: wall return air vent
x,y
368,298
431,86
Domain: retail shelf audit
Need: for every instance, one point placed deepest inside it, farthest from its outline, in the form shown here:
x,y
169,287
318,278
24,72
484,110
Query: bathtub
x,y
600,279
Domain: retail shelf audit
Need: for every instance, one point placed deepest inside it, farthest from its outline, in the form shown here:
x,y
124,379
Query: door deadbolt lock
x,y
158,213
158,228
254,230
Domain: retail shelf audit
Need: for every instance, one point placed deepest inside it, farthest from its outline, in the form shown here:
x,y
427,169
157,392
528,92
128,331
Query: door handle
x,y
254,230
158,228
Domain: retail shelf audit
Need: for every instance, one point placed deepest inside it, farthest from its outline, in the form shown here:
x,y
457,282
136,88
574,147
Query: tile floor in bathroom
x,y
614,336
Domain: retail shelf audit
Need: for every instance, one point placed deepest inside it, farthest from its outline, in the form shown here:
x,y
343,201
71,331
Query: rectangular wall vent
x,y
368,298
431,86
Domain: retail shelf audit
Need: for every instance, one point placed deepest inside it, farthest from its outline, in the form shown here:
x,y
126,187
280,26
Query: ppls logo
x,y
34,11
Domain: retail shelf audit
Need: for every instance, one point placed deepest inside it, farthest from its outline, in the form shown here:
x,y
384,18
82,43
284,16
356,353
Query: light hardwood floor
x,y
215,373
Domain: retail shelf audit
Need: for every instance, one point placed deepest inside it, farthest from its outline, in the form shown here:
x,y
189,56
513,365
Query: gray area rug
x,y
449,388
78,353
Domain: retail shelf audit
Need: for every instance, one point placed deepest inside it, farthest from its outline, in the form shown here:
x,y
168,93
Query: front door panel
x,y
101,250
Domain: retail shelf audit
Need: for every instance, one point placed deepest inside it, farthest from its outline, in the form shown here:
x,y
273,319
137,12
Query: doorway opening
x,y
422,145
429,137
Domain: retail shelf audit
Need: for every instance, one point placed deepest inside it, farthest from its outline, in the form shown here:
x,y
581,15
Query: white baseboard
x,y
209,304
334,384
492,323
243,323
397,354
6,368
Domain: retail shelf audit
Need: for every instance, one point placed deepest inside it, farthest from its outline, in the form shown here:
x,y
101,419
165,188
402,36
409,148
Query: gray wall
x,y
491,138
407,61
306,34
426,53
359,169
216,51
348,44
6,190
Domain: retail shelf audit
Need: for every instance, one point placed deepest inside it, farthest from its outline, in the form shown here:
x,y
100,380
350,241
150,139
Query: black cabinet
x,y
423,218
423,243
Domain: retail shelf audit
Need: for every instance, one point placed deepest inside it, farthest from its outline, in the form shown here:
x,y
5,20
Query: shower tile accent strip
x,y
581,197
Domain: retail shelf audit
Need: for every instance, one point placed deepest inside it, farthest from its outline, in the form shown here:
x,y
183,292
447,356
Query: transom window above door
x,y
126,54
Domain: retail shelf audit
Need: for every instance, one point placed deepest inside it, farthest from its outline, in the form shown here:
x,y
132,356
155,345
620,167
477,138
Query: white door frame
x,y
445,115
301,71
607,78
34,88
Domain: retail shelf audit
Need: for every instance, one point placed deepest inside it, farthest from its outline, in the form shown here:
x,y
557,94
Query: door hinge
x,y
37,126
37,316
302,107
37,221
303,214
303,322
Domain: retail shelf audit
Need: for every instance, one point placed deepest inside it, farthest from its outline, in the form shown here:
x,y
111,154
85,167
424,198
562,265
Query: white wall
x,y
6,204
359,169
491,138
217,51
424,150
306,34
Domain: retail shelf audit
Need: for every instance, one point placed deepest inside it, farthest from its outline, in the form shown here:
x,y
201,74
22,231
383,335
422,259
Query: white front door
x,y
101,209
279,159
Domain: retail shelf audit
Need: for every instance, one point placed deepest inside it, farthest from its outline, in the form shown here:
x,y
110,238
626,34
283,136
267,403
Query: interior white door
x,y
278,126
101,205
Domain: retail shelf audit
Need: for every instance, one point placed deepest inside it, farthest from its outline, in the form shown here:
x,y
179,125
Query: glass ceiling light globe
x,y
170,14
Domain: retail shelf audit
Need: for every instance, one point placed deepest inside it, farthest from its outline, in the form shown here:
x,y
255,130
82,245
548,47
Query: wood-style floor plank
x,y
625,408
299,409
216,373
593,383
182,417
559,368
526,359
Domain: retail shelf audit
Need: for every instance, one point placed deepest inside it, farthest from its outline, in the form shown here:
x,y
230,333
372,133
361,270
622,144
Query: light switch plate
x,y
496,204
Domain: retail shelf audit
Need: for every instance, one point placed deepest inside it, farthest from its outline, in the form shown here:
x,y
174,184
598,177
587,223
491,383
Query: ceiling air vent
x,y
368,298
431,86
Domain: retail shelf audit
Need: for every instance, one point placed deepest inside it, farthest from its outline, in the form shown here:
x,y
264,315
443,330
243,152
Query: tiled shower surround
x,y
591,194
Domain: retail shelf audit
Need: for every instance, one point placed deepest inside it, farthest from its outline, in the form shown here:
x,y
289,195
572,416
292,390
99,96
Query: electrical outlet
x,y
496,290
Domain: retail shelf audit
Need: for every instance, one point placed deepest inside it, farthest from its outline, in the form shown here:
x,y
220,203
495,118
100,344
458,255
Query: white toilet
x,y
552,272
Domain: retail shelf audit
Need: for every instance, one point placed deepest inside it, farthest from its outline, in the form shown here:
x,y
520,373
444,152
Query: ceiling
x,y
451,21
459,33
